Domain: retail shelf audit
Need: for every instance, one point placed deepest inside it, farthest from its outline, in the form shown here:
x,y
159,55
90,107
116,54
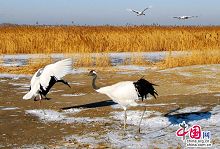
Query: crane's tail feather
x,y
154,93
147,81
144,88
28,96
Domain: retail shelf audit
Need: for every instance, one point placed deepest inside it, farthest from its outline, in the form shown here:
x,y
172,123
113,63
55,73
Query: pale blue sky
x,y
113,12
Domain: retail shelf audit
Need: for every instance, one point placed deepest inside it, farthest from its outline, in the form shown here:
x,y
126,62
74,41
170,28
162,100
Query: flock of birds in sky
x,y
125,93
141,13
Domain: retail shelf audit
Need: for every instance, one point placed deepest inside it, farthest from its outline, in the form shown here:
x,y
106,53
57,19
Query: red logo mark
x,y
195,132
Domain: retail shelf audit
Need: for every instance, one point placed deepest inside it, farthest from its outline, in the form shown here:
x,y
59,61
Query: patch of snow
x,y
55,91
12,65
14,76
218,95
132,67
13,115
79,71
133,118
90,139
73,95
85,120
20,84
34,146
61,117
159,104
3,80
185,74
8,108
23,88
47,115
72,110
117,106
76,83
151,56
29,56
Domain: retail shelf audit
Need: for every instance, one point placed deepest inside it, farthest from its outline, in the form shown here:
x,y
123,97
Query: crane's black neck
x,y
94,82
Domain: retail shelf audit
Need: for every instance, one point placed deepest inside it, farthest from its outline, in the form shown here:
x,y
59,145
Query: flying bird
x,y
126,93
185,17
44,79
140,13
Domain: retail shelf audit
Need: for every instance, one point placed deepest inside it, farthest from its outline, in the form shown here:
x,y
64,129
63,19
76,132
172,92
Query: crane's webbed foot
x,y
46,98
35,99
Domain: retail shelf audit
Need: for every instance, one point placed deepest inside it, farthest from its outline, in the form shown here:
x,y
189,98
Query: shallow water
x,y
79,117
115,58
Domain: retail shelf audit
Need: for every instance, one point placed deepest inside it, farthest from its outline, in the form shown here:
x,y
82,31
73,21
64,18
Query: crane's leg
x,y
39,100
35,99
46,97
139,126
40,96
125,119
64,82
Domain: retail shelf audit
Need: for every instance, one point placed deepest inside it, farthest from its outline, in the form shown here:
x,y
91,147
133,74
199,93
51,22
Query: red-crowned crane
x,y
185,17
126,93
139,13
44,79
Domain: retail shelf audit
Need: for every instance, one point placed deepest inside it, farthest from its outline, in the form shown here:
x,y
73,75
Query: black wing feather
x,y
144,87
53,80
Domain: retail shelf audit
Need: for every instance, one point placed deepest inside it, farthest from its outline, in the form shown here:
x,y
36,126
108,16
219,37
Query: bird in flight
x,y
185,17
140,13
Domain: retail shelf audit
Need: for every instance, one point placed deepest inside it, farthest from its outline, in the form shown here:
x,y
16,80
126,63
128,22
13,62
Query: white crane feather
x,y
51,73
58,69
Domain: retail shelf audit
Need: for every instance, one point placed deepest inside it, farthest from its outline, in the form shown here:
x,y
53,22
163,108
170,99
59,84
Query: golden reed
x,y
202,57
90,39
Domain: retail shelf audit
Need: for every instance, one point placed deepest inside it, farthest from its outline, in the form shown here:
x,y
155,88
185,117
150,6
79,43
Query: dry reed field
x,y
86,60
203,44
194,58
91,39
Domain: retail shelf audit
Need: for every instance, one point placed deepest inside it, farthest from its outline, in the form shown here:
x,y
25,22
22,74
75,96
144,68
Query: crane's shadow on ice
x,y
92,105
188,117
